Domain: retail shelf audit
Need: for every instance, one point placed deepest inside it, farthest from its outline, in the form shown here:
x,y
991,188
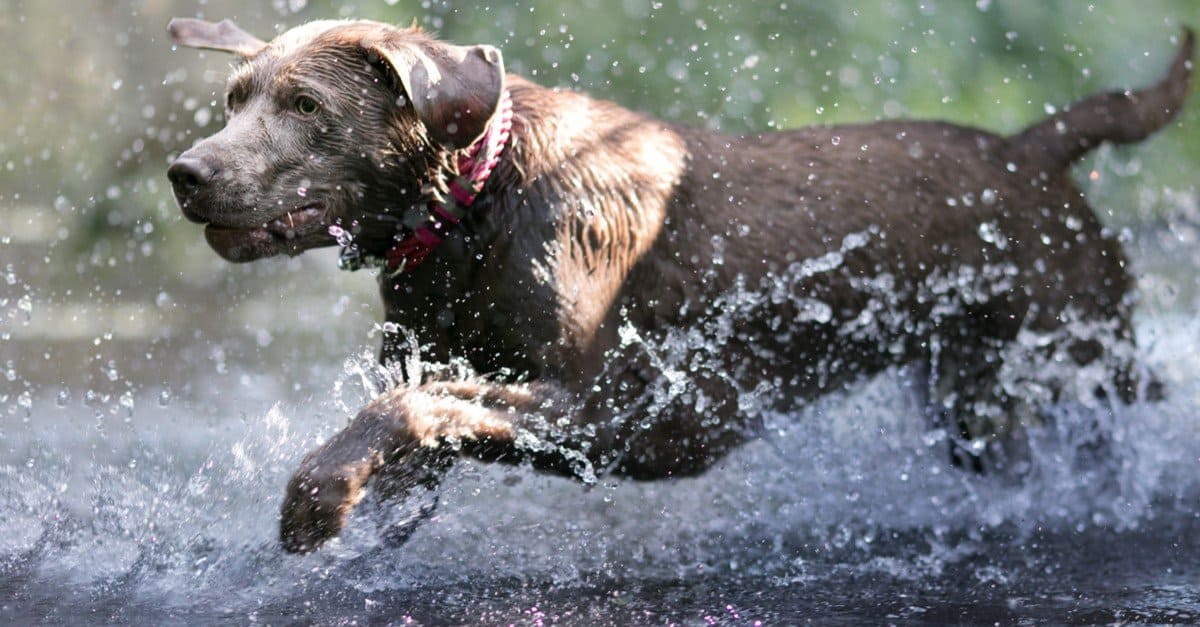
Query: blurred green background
x,y
108,289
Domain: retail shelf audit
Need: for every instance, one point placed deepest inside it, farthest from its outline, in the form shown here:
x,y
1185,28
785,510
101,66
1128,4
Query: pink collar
x,y
423,232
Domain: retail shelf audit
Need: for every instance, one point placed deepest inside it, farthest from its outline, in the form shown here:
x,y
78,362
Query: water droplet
x,y
990,233
813,310
25,306
718,250
25,401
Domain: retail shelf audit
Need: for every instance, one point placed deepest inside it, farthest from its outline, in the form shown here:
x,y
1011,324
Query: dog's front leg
x,y
411,435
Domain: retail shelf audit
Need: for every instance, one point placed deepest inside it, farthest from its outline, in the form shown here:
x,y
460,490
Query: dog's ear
x,y
454,89
223,35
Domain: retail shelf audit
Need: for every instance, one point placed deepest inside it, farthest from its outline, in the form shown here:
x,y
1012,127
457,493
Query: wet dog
x,y
634,294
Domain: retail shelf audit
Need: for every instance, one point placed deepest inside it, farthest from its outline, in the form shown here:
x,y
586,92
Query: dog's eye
x,y
306,105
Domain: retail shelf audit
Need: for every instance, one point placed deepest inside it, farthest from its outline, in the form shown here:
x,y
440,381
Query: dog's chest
x,y
505,324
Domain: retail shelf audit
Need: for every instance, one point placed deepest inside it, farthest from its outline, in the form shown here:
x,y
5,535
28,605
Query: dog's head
x,y
331,123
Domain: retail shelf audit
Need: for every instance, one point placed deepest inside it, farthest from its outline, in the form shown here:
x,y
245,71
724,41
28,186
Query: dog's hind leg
x,y
961,400
977,389
982,412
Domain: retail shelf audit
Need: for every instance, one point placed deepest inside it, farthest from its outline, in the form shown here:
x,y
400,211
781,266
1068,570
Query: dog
x,y
633,293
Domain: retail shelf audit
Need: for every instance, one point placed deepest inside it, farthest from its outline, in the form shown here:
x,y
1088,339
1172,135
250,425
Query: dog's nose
x,y
189,174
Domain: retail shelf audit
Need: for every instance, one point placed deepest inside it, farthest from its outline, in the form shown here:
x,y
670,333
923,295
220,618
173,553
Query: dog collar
x,y
423,231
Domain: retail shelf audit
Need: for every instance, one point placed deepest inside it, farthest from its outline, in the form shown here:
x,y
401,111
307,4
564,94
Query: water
x,y
148,508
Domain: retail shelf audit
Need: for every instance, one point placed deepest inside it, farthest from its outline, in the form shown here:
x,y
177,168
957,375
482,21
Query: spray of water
x,y
140,499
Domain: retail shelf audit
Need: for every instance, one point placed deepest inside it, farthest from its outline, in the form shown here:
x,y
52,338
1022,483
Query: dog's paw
x,y
319,499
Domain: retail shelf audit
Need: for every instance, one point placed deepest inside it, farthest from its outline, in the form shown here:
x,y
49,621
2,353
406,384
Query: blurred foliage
x,y
94,101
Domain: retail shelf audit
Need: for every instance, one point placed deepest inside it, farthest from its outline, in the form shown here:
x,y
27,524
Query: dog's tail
x,y
1118,116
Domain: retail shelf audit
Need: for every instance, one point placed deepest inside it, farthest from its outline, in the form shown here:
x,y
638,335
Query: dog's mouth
x,y
291,233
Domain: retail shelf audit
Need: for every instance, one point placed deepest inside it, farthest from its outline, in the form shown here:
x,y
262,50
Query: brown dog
x,y
635,293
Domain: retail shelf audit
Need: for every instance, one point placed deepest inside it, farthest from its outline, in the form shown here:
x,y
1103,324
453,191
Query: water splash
x,y
177,508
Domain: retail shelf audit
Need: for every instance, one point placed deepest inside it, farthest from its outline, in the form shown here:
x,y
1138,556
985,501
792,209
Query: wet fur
x,y
865,246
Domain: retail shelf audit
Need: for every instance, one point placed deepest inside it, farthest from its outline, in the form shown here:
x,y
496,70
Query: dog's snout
x,y
189,174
